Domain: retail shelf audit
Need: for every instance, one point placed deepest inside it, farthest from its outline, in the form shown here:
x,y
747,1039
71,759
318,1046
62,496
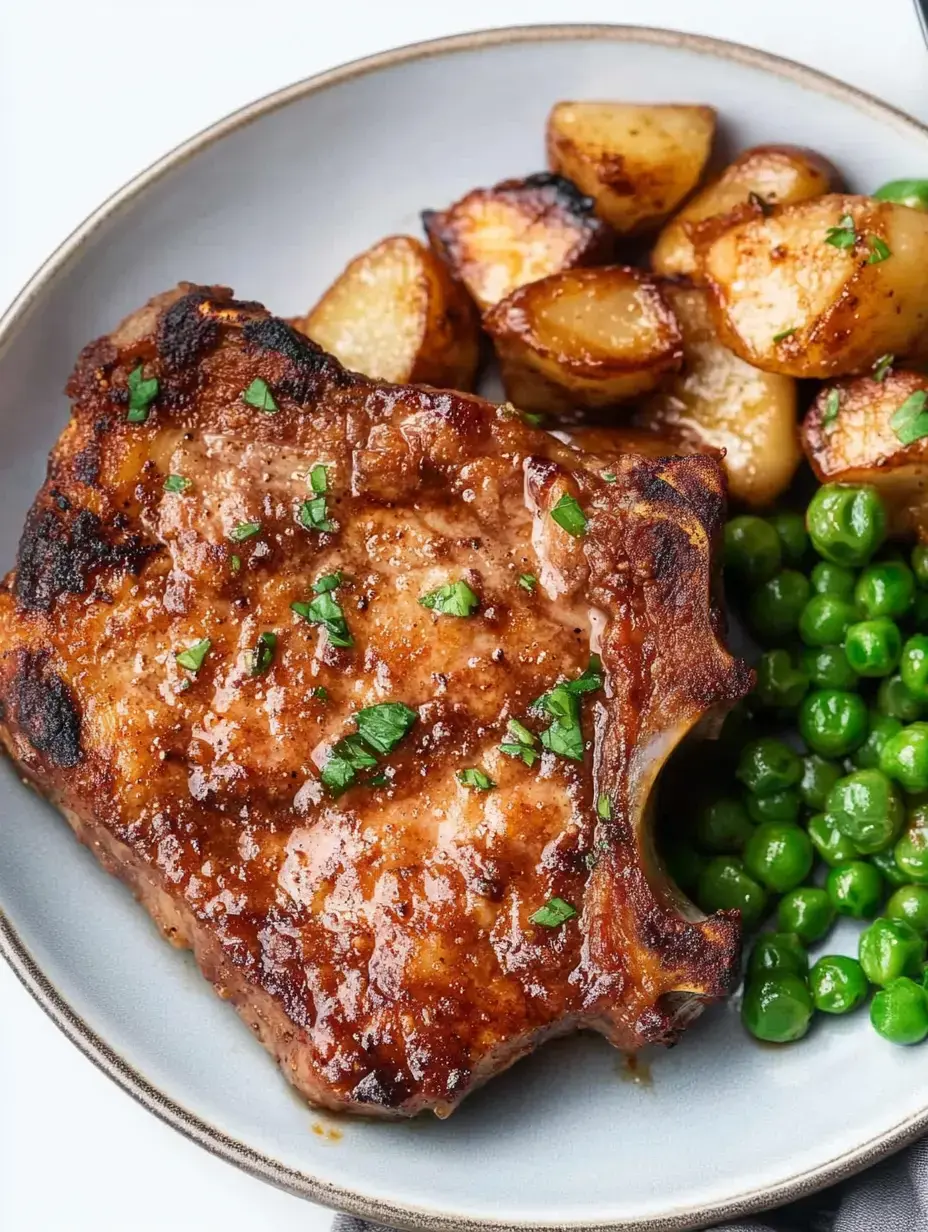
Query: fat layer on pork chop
x,y
306,660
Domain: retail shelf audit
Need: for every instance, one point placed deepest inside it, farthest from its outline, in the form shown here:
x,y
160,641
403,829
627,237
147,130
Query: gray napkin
x,y
892,1197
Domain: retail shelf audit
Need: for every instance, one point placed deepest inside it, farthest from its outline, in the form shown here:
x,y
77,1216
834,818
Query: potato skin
x,y
859,445
719,402
637,161
584,338
786,300
765,175
497,239
396,314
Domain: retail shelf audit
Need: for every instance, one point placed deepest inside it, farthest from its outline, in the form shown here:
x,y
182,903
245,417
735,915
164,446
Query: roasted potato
x,y
764,176
849,436
718,401
395,313
584,338
821,288
498,239
609,441
637,161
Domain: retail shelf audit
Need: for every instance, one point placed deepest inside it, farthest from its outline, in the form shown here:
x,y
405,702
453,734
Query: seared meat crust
x,y
380,941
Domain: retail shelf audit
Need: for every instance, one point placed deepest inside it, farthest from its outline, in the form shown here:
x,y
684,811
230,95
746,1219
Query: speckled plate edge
x,y
12,948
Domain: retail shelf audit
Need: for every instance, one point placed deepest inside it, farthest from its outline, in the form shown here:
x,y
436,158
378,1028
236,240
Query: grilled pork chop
x,y
306,660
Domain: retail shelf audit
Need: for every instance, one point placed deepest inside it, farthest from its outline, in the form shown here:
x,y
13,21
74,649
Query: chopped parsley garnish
x,y
452,599
609,476
192,658
532,418
378,780
314,515
235,563
760,203
142,394
879,250
320,693
604,807
328,581
259,394
910,421
244,530
843,235
177,483
528,581
325,610
784,334
565,736
591,679
475,779
382,727
521,743
882,367
261,658
319,479
554,913
345,759
569,516
832,406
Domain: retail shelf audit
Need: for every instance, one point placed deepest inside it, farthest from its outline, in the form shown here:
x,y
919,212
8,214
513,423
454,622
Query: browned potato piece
x,y
637,161
720,401
851,439
787,299
584,338
498,239
608,442
763,176
396,314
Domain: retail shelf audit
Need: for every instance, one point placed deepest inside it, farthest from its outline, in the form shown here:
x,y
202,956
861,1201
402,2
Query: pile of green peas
x,y
834,822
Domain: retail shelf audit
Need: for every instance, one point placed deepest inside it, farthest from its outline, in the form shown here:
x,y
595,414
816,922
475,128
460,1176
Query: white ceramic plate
x,y
273,201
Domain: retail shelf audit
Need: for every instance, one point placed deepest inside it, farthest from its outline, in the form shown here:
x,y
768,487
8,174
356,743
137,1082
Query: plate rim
x,y
12,948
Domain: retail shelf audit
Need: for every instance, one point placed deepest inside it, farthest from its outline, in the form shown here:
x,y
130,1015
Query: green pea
x,y
833,722
913,666
778,952
774,607
855,889
905,757
818,778
837,984
882,729
885,861
899,1012
829,579
913,193
910,903
777,1009
833,846
724,886
846,524
867,809
890,948
873,647
780,685
911,851
723,826
751,549
791,531
825,620
684,865
885,588
768,765
778,855
827,667
894,698
920,564
806,911
782,805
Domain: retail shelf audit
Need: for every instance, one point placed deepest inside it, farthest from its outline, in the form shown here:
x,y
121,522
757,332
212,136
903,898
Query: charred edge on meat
x,y
45,710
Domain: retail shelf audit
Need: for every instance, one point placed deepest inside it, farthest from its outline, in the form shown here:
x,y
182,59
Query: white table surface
x,y
90,92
